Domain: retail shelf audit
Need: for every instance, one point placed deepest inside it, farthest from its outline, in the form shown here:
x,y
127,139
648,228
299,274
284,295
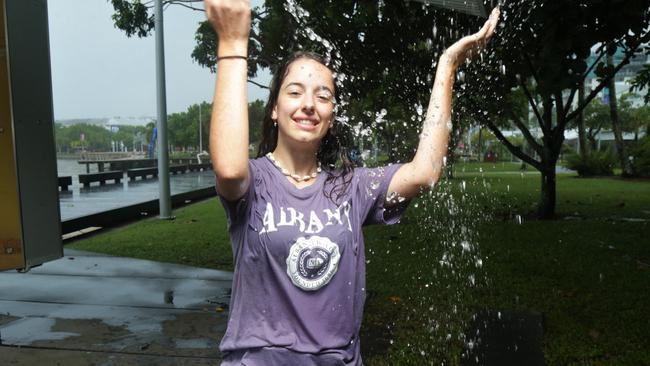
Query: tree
x,y
82,136
633,118
544,54
596,118
136,18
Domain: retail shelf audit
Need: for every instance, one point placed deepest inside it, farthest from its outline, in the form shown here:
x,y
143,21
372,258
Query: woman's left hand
x,y
467,46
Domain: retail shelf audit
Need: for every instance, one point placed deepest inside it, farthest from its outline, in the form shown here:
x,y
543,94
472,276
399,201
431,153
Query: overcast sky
x,y
97,71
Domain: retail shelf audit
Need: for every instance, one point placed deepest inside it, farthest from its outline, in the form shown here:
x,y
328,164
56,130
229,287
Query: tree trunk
x,y
582,140
546,210
613,108
593,143
480,141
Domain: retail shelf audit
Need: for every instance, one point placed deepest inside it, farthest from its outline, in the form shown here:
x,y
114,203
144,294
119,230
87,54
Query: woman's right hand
x,y
231,19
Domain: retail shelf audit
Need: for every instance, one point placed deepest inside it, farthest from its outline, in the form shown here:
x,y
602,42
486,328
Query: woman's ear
x,y
274,113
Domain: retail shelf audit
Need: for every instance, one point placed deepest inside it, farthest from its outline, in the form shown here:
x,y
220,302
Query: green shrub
x,y
596,163
640,156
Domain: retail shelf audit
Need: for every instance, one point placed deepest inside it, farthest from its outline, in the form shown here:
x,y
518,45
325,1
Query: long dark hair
x,y
334,148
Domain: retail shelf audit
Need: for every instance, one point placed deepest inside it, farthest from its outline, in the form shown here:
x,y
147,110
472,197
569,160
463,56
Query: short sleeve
x,y
237,211
371,190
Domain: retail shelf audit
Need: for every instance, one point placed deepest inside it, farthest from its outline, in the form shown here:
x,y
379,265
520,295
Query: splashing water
x,y
444,259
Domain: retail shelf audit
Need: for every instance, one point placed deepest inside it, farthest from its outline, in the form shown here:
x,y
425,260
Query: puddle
x,y
25,331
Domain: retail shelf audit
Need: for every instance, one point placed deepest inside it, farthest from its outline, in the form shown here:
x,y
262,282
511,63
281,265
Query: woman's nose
x,y
308,104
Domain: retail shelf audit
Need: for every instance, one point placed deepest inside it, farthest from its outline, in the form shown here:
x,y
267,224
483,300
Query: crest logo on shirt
x,y
312,262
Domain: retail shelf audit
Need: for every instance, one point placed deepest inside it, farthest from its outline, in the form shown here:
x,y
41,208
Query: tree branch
x,y
533,103
515,150
569,101
258,84
526,132
176,2
531,67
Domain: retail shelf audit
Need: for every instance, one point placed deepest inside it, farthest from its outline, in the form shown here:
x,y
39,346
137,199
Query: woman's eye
x,y
324,98
294,93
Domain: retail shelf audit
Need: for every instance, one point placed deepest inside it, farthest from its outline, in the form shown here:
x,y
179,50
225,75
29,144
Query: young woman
x,y
294,219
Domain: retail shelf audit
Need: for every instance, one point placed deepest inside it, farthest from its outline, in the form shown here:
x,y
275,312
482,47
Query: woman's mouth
x,y
306,124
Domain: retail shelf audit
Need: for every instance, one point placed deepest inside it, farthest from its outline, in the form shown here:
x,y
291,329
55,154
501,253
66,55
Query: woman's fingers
x,y
466,46
481,37
494,20
229,18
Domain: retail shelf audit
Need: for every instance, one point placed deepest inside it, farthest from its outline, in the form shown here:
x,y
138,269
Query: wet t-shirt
x,y
299,281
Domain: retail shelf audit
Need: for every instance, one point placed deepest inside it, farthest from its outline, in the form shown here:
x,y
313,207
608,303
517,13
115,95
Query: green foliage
x,y
184,126
97,138
69,138
255,119
489,142
596,118
640,154
635,118
642,82
595,164
132,17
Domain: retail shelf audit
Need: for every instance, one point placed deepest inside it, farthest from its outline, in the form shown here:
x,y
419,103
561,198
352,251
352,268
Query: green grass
x,y
197,237
588,274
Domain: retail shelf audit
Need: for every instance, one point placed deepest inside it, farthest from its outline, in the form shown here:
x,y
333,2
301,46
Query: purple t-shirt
x,y
299,282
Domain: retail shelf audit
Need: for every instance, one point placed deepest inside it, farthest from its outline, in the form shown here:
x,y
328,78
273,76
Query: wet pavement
x,y
80,201
89,309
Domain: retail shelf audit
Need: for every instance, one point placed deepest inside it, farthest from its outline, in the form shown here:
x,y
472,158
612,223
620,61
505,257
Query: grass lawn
x,y
462,250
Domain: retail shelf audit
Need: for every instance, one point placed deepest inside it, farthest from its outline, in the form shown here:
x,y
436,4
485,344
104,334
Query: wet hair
x,y
334,149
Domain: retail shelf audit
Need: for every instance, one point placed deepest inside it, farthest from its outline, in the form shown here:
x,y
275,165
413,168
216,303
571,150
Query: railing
x,y
101,156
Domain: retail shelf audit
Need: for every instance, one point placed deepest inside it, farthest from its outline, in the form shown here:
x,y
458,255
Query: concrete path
x,y
88,309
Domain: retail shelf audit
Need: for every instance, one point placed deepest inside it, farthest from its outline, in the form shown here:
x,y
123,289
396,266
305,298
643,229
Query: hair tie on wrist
x,y
219,58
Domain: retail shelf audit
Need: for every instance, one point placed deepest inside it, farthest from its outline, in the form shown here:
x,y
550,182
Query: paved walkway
x,y
88,309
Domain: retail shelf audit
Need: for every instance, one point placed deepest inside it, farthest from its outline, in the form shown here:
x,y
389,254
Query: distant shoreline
x,y
68,156
92,155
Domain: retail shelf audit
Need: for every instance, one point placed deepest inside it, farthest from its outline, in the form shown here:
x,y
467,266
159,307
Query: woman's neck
x,y
296,161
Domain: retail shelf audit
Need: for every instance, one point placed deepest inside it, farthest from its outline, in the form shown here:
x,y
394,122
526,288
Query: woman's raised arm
x,y
231,20
425,168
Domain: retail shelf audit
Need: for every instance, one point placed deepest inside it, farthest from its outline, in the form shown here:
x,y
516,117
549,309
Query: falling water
x,y
444,222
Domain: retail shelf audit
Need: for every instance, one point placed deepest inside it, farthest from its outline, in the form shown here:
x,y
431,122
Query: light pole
x,y
163,153
200,130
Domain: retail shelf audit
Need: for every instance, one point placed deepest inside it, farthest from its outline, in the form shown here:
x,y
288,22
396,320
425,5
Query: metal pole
x,y
163,154
200,131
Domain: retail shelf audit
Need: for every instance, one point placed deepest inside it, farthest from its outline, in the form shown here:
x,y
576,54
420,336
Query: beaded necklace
x,y
295,177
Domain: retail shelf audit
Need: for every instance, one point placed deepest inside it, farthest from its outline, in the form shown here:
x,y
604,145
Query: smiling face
x,y
305,106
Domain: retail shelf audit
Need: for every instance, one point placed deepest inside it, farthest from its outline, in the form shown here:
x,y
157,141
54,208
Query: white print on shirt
x,y
289,216
312,262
